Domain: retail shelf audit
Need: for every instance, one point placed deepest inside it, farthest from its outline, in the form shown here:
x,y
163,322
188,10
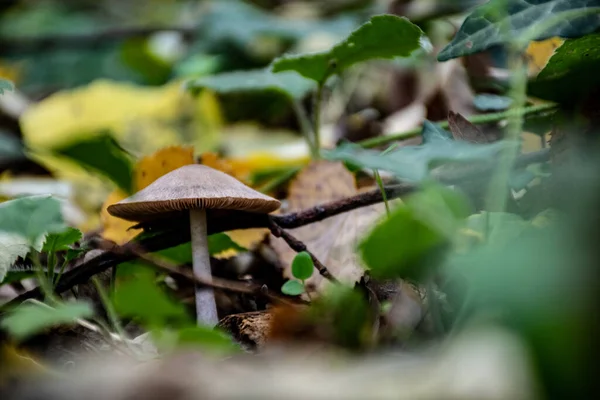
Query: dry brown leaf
x,y
334,240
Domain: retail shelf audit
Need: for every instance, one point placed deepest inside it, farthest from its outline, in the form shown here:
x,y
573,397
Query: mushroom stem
x,y
206,308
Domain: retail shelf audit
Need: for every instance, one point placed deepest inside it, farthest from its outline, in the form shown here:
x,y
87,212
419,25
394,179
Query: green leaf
x,y
504,21
302,266
5,85
349,311
16,276
405,244
30,318
32,218
210,339
102,154
571,74
382,37
12,246
220,242
413,163
61,241
288,84
142,299
241,22
11,149
292,288
491,102
217,243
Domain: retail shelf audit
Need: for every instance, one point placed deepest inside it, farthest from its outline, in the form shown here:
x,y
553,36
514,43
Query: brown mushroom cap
x,y
192,187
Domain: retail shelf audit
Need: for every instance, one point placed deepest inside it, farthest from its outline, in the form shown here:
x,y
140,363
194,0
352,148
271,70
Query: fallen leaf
x,y
462,129
146,171
538,54
152,167
334,240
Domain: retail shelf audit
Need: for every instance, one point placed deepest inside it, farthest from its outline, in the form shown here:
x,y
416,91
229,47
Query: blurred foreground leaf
x,y
405,244
29,319
384,36
503,21
143,300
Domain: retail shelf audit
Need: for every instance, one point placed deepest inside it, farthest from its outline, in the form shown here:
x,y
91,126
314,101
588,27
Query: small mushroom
x,y
197,189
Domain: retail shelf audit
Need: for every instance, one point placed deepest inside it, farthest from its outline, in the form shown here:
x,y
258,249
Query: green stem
x,y
476,119
110,310
318,100
498,189
382,189
51,265
60,272
305,127
42,278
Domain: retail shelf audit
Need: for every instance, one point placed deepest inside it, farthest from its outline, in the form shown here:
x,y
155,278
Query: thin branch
x,y
298,246
215,283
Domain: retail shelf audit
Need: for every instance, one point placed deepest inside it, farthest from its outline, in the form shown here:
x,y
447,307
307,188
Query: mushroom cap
x,y
192,186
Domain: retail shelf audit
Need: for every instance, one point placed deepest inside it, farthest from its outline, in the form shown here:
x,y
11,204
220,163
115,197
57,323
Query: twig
x,y
298,246
321,212
215,283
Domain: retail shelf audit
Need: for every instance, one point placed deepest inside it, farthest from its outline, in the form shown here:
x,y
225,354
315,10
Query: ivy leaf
x,y
61,241
102,154
5,85
383,36
31,218
413,163
288,84
302,266
292,288
503,21
29,319
571,73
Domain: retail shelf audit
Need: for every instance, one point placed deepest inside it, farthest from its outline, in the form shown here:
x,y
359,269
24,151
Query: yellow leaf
x,y
152,167
538,53
15,364
142,119
113,228
146,171
247,238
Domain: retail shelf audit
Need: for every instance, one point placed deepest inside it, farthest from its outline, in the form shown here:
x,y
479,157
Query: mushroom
x,y
198,189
